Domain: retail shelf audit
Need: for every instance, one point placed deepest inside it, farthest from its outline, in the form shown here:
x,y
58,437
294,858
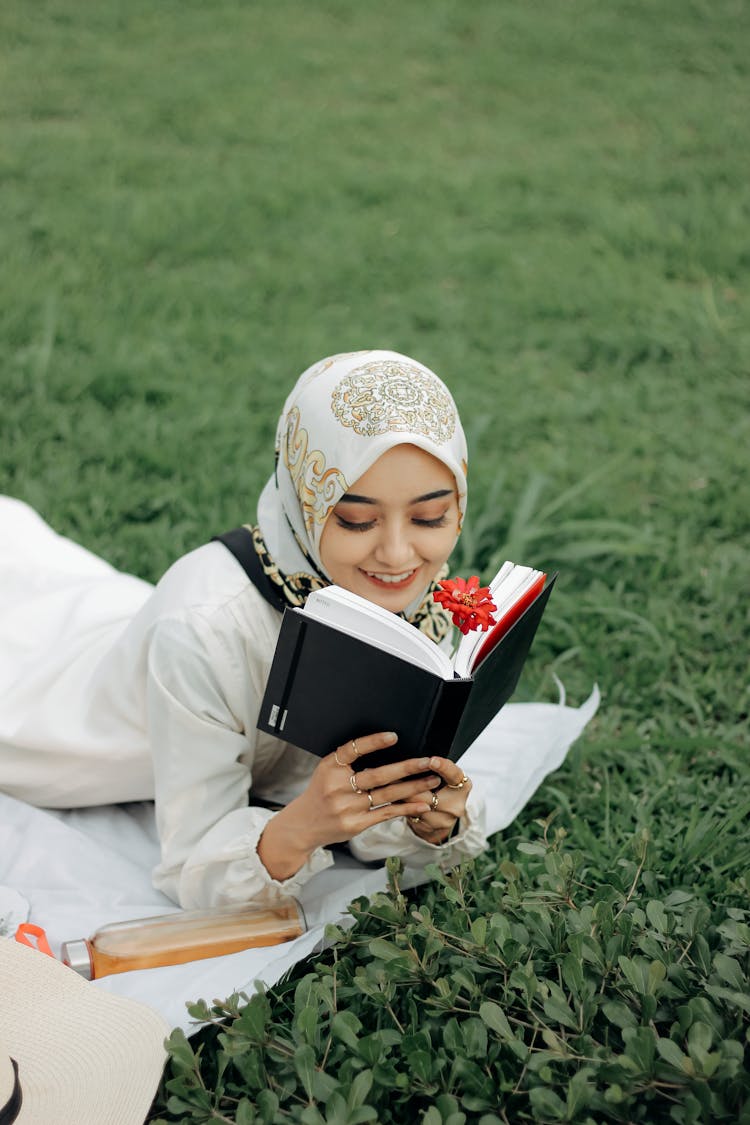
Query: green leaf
x,y
422,1065
304,1064
657,916
245,1113
359,1089
324,1086
306,994
307,1024
580,1094
730,971
546,1104
557,1010
452,1036
386,951
373,1048
678,898
671,1053
267,1105
619,1014
479,930
253,1020
345,1026
656,974
337,1111
181,1052
734,999
494,1017
311,1116
701,1036
572,971
635,971
640,1044
474,1033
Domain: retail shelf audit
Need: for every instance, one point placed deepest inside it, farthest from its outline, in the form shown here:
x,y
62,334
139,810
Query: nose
x,y
394,549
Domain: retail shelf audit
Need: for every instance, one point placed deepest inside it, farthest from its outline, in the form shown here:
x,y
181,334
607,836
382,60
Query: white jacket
x,y
144,692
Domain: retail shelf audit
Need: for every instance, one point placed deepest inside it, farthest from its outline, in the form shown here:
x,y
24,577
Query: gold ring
x,y
353,783
368,794
354,748
415,819
338,760
460,785
434,801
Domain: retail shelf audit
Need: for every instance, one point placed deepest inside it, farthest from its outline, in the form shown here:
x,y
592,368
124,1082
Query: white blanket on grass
x,y
81,869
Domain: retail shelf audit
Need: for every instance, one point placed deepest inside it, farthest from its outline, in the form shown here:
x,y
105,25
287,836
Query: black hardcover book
x,y
327,686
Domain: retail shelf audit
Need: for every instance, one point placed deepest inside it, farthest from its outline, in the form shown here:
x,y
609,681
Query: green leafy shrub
x,y
529,996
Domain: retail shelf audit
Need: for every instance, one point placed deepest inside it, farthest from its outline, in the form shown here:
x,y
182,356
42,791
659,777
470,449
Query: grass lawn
x,y
549,203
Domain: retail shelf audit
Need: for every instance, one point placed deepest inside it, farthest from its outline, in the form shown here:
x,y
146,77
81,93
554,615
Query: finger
x,y
434,836
355,748
452,774
452,802
418,789
394,812
437,821
376,776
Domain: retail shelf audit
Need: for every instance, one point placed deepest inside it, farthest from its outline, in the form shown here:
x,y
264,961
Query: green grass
x,y
546,202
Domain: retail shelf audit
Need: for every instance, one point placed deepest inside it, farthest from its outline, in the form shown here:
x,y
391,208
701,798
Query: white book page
x,y
351,614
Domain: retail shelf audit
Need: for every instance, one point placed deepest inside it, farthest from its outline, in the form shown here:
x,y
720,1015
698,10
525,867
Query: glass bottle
x,y
188,935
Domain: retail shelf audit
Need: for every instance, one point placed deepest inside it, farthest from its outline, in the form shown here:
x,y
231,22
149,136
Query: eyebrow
x,y
351,498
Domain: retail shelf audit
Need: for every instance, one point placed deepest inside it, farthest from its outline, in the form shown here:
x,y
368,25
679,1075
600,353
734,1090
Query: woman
x,y
147,692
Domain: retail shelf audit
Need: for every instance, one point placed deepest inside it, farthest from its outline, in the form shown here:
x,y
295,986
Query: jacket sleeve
x,y
203,771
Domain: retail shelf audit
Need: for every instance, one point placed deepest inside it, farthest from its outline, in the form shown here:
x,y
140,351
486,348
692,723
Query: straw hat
x,y
83,1056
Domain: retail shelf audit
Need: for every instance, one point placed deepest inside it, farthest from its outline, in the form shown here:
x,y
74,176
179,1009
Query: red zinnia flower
x,y
468,602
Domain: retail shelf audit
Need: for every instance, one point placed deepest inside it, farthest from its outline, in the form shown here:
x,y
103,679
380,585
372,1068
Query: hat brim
x,y
85,1056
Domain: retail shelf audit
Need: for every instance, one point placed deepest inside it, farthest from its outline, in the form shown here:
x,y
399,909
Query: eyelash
x,y
349,526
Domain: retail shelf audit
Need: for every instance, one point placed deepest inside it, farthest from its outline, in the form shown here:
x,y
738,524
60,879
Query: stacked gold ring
x,y
460,784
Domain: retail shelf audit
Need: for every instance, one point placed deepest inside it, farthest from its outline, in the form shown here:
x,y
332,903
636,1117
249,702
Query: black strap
x,y
10,1111
239,543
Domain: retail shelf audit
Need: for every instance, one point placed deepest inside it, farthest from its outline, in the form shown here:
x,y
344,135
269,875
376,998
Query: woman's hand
x,y
339,803
447,804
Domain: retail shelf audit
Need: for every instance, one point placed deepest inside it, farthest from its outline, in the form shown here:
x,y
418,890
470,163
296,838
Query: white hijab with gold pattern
x,y
343,413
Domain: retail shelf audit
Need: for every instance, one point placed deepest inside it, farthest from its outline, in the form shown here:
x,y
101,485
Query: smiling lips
x,y
392,581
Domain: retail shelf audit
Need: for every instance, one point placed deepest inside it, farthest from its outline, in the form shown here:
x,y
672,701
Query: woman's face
x,y
388,536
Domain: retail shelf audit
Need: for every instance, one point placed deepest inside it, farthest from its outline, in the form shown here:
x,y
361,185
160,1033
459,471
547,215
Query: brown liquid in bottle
x,y
173,939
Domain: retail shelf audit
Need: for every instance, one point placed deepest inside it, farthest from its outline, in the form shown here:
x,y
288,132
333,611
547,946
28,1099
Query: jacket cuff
x,y
230,871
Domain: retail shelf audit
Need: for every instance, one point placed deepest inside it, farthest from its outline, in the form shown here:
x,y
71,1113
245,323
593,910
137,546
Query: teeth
x,y
390,577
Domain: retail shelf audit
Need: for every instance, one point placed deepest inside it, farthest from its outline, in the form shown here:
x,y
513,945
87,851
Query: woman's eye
x,y
440,521
349,525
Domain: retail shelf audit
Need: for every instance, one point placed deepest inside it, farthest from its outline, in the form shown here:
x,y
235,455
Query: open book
x,y
345,667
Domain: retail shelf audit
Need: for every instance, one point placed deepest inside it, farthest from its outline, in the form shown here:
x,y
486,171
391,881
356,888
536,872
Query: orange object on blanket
x,y
26,931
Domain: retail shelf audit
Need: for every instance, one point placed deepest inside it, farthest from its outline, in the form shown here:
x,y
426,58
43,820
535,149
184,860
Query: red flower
x,y
470,603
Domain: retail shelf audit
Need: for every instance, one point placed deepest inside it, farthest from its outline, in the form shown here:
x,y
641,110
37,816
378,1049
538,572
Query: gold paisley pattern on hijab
x,y
394,397
318,488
